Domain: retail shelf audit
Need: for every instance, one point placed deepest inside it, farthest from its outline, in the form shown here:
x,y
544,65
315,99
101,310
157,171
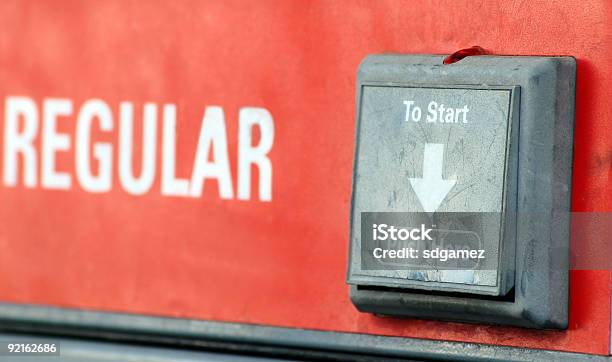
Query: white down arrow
x,y
432,189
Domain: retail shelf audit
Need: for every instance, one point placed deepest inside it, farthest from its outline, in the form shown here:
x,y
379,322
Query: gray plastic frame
x,y
543,188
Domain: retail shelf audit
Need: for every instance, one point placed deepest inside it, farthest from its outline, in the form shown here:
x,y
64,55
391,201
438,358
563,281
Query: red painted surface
x,y
280,263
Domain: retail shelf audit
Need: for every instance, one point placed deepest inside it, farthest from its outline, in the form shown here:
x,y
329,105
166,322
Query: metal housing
x,y
541,190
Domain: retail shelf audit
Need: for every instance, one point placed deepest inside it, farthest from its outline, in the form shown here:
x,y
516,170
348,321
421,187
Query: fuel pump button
x,y
433,161
461,188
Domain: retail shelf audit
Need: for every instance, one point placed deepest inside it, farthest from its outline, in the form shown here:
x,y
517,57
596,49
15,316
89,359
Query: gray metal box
x,y
479,152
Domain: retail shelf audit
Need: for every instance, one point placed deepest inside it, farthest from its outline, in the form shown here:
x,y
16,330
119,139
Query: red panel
x,y
280,263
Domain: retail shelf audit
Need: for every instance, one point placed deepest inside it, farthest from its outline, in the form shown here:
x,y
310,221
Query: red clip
x,y
460,54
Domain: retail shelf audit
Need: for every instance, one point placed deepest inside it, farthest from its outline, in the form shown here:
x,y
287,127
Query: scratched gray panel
x,y
392,149
536,194
416,157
